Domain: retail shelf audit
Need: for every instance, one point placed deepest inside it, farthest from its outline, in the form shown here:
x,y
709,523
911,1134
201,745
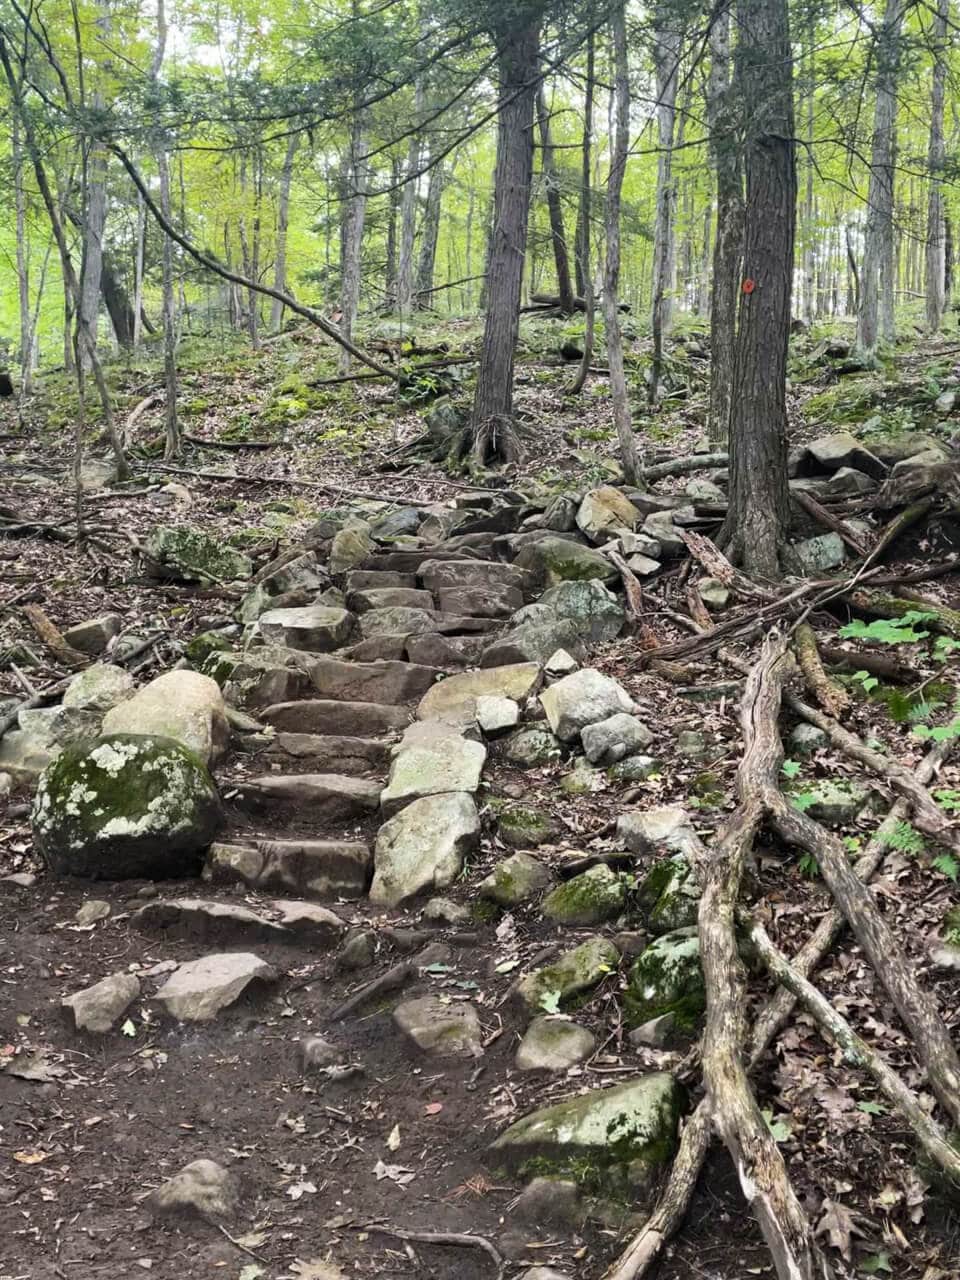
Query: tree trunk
x,y
94,223
118,304
666,58
875,274
622,416
23,265
393,211
138,270
408,210
429,235
935,159
809,216
759,507
353,215
583,224
518,48
551,181
947,259
728,242
283,221
172,444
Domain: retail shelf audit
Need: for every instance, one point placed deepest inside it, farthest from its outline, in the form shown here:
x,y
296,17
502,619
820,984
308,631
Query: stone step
x,y
431,759
370,579
411,560
203,920
361,601
326,751
331,796
307,868
327,716
388,682
454,700
438,574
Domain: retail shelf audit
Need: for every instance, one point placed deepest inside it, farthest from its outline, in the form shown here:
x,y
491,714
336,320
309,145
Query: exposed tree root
x,y
832,697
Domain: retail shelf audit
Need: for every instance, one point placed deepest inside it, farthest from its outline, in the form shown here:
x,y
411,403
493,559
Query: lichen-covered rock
x,y
610,740
351,545
634,769
834,802
442,1030
669,895
666,827
592,897
553,1044
432,758
667,978
397,620
315,628
495,714
553,560
530,748
569,976
183,705
605,511
202,1188
125,806
817,555
533,640
192,556
580,699
596,612
423,846
515,880
583,779
521,826
616,1140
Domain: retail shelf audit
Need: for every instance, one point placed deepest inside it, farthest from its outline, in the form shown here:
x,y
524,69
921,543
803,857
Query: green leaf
x,y
791,768
780,1127
550,1002
948,866
129,1028
872,1108
876,1262
888,630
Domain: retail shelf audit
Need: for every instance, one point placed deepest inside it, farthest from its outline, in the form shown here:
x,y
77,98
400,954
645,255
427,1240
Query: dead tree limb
x,y
829,520
680,466
857,1052
716,563
631,584
900,524
832,697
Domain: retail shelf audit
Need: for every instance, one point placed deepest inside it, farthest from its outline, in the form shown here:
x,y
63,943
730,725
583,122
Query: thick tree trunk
x,y
583,224
809,208
94,224
353,216
666,58
430,233
283,222
622,416
876,282
118,304
23,264
728,242
518,48
759,498
935,159
172,444
551,181
408,209
139,262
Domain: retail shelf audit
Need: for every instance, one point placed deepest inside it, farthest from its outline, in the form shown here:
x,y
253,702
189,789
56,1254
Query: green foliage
x,y
888,630
780,1127
790,768
866,680
808,866
905,838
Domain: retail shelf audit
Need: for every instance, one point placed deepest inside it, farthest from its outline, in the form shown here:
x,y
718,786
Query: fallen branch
x,y
718,566
883,665
200,443
631,585
53,638
881,605
680,466
857,1052
390,980
832,697
455,1238
829,521
900,524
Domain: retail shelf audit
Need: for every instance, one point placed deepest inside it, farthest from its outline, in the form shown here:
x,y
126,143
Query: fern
x,y
808,866
947,865
906,839
948,799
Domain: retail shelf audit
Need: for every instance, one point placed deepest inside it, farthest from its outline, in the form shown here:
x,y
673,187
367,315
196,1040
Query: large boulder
x,y
534,640
617,1139
191,556
350,547
454,700
596,612
183,705
125,807
605,511
422,848
553,560
841,449
316,628
441,1029
432,758
583,698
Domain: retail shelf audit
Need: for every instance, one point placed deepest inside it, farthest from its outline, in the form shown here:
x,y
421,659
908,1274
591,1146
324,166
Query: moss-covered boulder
x,y
615,1140
594,896
667,978
669,896
530,748
200,648
521,826
515,880
553,560
125,806
834,802
583,779
175,551
572,975
596,612
351,545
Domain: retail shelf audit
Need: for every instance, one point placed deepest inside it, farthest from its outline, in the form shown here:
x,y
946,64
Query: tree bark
x,y
551,181
517,44
623,418
430,233
666,58
408,209
936,155
138,271
23,263
759,508
117,302
583,224
728,242
283,222
876,283
353,216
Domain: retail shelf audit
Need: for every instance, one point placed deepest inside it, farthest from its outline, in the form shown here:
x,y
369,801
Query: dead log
x,y
881,605
828,520
832,697
631,585
680,466
883,665
718,566
900,524
53,638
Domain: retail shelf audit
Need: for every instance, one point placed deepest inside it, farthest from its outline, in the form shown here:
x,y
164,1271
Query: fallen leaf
x,y
393,1139
29,1157
298,1189
433,1108
252,1271
317,1270
838,1226
129,1028
35,1066
395,1172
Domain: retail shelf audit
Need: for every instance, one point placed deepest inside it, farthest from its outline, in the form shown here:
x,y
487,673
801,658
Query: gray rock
x,y
299,573
314,868
183,705
553,560
582,698
634,769
545,1273
359,950
713,593
496,713
95,634
549,1202
199,989
99,688
315,628
203,1189
596,612
639,544
423,847
125,807
604,511
804,740
432,758
350,546
583,779
191,556
669,895
444,911
621,1137
834,802
97,1008
659,525
330,796
847,481
515,880
692,743
946,401
843,449
347,755
523,827
667,978
443,575
198,919
551,1044
610,740
491,600
530,748
643,566
323,928
656,1033
317,1053
454,700
383,682
442,1030
326,716
533,640
593,897
704,491
666,828
369,579
560,663
363,599
93,909
405,520
570,975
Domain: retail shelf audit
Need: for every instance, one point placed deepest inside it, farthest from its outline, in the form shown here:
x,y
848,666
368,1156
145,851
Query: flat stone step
x,y
390,682
454,700
410,561
329,751
433,758
203,920
327,716
199,989
306,868
367,579
361,601
323,795
438,574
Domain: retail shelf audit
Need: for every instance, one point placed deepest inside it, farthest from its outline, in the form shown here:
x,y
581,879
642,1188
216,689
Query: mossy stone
x,y
203,645
194,556
531,747
667,978
669,896
515,880
594,896
634,769
522,827
125,806
570,976
583,779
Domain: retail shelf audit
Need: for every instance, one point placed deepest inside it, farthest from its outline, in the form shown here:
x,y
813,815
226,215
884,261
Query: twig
x,y
454,1238
237,1245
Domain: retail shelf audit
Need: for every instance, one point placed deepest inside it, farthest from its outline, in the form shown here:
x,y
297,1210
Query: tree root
x,y
832,697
